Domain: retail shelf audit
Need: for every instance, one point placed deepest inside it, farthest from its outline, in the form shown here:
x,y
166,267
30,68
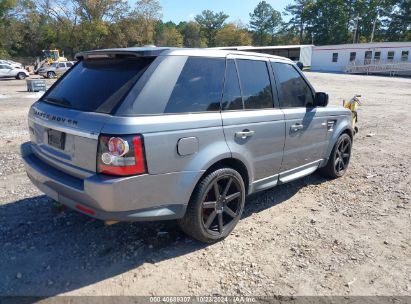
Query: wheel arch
x,y
346,129
232,163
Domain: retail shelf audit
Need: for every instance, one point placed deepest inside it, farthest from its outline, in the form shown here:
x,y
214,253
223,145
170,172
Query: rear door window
x,y
295,92
255,84
97,85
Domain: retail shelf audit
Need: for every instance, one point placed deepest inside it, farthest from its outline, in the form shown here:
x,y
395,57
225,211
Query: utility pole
x,y
356,27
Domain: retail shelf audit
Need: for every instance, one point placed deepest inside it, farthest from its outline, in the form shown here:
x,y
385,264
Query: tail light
x,y
121,155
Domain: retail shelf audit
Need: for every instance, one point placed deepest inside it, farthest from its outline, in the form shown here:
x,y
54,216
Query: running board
x,y
298,172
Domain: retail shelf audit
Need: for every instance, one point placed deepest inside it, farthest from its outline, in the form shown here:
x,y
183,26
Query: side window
x,y
404,55
352,56
390,56
69,64
232,99
335,57
62,65
295,92
377,56
199,86
255,83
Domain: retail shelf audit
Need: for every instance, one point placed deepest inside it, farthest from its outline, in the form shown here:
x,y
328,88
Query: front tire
x,y
215,207
21,76
339,159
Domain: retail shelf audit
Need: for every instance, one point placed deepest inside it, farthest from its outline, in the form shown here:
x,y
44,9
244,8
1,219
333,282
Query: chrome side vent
x,y
330,125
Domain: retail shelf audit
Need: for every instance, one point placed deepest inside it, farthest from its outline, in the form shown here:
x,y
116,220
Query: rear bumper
x,y
134,198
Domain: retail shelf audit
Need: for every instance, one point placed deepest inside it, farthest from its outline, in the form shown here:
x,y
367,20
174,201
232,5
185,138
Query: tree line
x,y
28,26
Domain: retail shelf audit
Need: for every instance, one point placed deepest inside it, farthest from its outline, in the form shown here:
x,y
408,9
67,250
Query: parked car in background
x,y
14,64
7,71
144,134
56,69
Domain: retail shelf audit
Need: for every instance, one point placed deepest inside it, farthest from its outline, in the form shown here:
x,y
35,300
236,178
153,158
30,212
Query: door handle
x,y
244,134
297,127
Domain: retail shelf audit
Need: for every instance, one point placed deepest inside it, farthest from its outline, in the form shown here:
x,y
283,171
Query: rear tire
x,y
339,159
21,76
215,207
51,75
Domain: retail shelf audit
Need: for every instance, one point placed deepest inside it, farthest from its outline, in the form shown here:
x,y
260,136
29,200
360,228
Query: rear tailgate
x,y
66,140
66,122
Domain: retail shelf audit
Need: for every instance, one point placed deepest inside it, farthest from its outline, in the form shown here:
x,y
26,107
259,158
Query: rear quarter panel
x,y
161,136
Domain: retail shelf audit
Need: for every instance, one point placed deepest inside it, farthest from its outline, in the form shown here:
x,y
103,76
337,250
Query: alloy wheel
x,y
221,205
342,156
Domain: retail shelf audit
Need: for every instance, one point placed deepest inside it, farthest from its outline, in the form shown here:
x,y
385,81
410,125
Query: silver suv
x,y
55,69
143,134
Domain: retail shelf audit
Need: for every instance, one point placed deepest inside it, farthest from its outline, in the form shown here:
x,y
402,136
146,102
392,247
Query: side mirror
x,y
321,99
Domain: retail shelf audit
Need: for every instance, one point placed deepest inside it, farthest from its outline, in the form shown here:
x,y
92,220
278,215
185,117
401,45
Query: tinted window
x,y
255,83
232,99
294,90
390,55
62,65
352,56
335,57
199,86
377,55
404,55
69,64
97,84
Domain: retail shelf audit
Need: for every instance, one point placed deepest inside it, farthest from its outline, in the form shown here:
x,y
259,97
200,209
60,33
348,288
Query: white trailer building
x,y
301,53
378,57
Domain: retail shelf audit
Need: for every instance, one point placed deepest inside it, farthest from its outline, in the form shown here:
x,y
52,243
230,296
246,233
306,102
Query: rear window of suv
x,y
97,85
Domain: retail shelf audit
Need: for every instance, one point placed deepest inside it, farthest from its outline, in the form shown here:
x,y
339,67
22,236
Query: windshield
x,y
97,85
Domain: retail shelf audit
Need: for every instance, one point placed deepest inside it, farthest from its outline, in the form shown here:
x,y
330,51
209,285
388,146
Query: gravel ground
x,y
314,236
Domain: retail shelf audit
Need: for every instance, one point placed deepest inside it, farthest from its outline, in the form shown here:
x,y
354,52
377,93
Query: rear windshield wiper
x,y
56,100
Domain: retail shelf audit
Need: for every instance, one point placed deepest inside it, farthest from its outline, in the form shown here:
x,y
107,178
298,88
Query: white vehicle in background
x,y
14,64
7,71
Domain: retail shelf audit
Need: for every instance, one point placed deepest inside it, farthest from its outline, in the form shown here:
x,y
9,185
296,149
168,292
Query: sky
x,y
185,10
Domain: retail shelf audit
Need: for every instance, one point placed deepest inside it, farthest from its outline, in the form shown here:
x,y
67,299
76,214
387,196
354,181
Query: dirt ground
x,y
349,236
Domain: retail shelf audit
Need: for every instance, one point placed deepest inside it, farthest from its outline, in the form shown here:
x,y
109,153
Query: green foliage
x,y
400,26
298,21
191,32
29,26
332,21
231,35
210,23
168,35
6,6
264,22
327,21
